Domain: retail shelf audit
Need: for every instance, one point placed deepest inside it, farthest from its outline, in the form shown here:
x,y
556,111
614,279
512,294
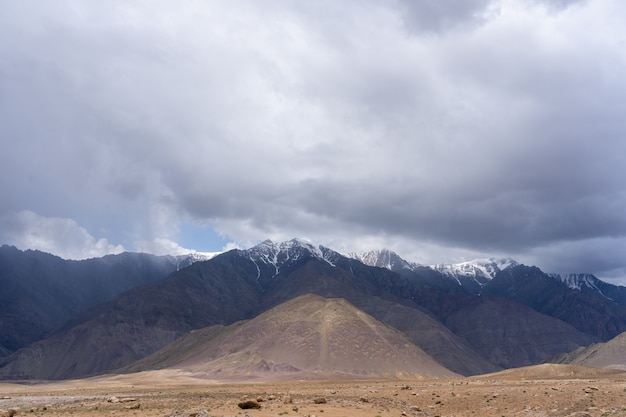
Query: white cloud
x,y
164,246
59,236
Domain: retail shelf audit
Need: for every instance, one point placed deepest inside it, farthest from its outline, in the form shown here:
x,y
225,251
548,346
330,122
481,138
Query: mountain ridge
x,y
474,274
480,270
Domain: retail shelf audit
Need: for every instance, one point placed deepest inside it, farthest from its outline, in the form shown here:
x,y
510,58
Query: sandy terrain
x,y
535,392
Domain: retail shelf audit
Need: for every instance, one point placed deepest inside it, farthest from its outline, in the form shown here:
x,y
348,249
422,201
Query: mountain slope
x,y
40,292
611,354
308,336
588,304
389,297
510,334
588,312
437,340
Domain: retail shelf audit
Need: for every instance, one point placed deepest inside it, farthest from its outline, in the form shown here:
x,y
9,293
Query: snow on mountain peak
x,y
383,258
478,268
270,249
270,255
585,282
577,281
183,261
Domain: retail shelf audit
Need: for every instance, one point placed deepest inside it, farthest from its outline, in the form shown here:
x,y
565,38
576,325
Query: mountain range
x,y
66,319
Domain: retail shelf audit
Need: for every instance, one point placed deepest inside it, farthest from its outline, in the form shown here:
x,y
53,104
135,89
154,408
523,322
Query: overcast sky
x,y
445,130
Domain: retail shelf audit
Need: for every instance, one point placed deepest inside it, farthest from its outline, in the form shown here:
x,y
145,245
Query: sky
x,y
445,130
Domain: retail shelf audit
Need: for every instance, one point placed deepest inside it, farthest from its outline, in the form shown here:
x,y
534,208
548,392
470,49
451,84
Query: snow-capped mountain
x,y
384,258
590,283
482,270
183,261
478,271
269,257
578,281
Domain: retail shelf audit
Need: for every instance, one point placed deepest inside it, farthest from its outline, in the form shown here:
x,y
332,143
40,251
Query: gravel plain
x,y
536,392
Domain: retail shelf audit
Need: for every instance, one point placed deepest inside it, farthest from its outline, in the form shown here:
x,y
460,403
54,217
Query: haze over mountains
x,y
469,318
40,292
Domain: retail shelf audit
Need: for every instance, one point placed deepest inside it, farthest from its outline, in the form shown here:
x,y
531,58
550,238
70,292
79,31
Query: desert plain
x,y
541,391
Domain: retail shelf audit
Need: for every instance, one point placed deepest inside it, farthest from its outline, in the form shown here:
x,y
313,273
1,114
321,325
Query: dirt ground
x,y
159,394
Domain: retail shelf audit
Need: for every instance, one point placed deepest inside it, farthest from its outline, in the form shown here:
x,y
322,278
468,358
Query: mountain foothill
x,y
297,310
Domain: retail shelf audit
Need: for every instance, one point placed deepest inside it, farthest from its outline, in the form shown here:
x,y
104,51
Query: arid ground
x,y
537,391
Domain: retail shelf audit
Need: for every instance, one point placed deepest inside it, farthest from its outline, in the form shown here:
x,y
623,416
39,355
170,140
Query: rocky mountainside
x,y
306,337
40,292
589,312
510,334
518,316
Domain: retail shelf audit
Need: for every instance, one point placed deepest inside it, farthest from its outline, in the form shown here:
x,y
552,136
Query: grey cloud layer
x,y
476,126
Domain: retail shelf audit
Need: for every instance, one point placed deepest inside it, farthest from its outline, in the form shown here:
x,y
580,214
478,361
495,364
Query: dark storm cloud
x,y
440,129
442,15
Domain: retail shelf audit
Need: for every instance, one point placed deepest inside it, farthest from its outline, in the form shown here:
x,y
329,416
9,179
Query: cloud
x,y
63,237
600,256
441,15
440,129
163,246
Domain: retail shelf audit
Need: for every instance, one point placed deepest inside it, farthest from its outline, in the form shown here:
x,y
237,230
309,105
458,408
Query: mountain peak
x,y
384,258
271,249
477,271
480,269
577,281
590,283
269,257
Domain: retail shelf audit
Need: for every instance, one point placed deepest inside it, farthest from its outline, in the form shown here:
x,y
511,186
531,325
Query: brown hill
x,y
549,371
611,354
307,337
